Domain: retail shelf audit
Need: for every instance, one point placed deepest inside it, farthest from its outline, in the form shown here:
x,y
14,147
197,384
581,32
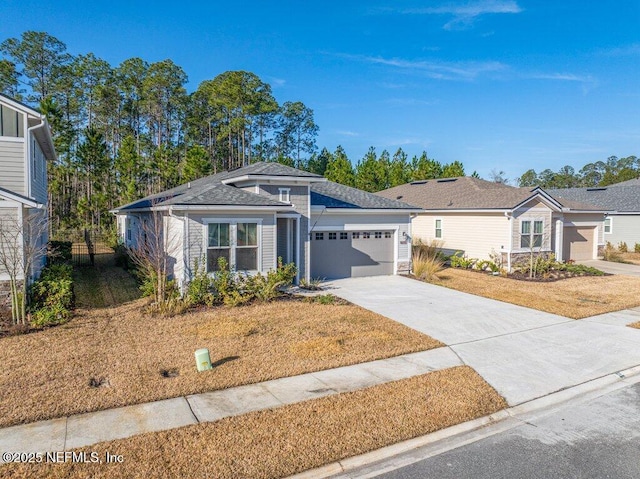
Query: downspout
x,y
510,219
28,155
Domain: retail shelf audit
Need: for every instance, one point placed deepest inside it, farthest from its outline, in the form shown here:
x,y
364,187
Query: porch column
x,y
559,239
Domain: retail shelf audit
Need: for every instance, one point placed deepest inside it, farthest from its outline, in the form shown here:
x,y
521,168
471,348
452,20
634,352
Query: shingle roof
x,y
335,195
210,191
467,193
633,182
609,198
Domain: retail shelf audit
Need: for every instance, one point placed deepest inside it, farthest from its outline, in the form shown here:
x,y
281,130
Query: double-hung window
x,y
218,245
531,233
237,243
438,229
246,247
607,226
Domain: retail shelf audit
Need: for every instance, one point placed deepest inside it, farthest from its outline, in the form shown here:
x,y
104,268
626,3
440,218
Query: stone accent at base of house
x,y
404,267
523,259
5,294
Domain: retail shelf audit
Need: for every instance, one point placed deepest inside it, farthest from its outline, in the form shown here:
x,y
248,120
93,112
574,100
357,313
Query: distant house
x,y
621,202
25,147
483,219
254,215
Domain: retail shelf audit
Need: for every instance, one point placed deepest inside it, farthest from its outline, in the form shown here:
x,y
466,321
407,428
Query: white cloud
x,y
347,133
586,81
633,49
434,69
465,14
276,82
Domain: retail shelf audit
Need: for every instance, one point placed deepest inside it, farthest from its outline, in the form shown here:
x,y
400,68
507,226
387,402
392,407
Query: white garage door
x,y
347,254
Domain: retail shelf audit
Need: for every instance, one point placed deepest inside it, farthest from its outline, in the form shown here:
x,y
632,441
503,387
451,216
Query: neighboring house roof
x,y
467,193
215,190
11,196
609,198
633,182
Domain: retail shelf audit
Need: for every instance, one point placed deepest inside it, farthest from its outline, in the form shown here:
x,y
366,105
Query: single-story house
x,y
25,147
484,219
621,202
254,215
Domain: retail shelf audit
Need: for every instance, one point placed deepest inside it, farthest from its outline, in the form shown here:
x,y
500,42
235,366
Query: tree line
x,y
599,173
123,132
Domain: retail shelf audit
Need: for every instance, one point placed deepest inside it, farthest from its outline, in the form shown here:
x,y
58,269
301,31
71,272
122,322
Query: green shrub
x,y
200,289
312,285
622,247
52,296
460,261
636,248
59,251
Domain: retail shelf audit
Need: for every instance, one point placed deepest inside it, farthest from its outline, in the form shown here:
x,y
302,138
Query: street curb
x,y
545,402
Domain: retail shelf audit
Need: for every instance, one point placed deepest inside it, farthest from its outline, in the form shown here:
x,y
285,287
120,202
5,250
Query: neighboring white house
x,y
483,219
621,202
253,215
25,147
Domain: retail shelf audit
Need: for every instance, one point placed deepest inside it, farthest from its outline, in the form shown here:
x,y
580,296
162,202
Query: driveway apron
x,y
523,353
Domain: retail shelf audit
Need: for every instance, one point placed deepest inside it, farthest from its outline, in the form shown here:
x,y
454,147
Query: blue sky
x,y
497,84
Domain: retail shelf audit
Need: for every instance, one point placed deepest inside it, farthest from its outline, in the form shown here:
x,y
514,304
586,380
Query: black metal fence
x,y
87,246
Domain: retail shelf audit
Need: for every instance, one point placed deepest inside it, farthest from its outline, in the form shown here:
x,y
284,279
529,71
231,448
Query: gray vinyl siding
x,y
8,217
533,211
299,196
39,176
12,165
196,247
624,228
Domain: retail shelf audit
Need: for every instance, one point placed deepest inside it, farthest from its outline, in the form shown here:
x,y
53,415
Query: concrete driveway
x,y
613,268
523,353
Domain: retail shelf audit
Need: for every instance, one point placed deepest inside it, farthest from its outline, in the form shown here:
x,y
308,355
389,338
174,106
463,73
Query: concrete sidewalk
x,y
90,428
523,353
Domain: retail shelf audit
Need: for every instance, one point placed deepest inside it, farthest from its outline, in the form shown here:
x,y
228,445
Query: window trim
x,y
233,239
532,234
435,228
604,228
284,195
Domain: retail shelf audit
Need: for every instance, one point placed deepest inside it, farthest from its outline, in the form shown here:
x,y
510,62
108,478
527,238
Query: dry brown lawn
x,y
284,441
631,257
116,355
574,298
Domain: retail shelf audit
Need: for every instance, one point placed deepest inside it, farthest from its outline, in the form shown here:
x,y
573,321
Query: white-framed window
x,y
438,229
235,241
355,235
344,235
378,234
34,167
319,236
608,225
285,195
387,234
333,236
11,122
366,235
531,232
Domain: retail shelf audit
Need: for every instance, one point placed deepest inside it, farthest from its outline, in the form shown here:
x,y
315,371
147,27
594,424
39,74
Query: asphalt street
x,y
598,438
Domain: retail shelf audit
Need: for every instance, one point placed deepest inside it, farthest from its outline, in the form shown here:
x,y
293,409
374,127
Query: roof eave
x,y
273,178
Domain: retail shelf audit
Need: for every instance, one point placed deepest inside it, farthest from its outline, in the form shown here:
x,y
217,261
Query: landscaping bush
x,y
52,296
200,289
426,268
59,251
610,254
460,261
433,249
636,248
622,247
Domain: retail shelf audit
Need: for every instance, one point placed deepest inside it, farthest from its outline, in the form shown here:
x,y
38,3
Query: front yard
x,y
576,298
117,355
279,442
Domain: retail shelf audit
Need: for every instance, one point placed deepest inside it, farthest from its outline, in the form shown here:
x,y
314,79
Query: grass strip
x,y
573,298
291,439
